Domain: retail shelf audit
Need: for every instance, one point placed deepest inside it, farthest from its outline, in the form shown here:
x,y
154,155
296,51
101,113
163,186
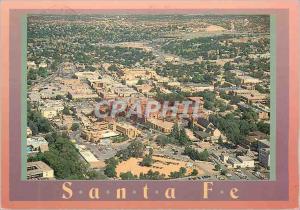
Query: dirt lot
x,y
161,164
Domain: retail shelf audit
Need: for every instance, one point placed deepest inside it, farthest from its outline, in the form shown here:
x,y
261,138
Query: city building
x,y
190,134
81,94
254,98
96,136
98,131
84,75
263,114
246,161
195,87
145,88
36,144
263,143
49,112
264,157
133,73
124,91
89,157
224,157
235,163
204,125
39,171
161,125
245,79
202,135
250,96
77,89
51,108
126,129
238,162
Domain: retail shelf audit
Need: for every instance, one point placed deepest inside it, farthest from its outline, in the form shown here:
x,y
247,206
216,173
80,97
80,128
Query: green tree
x,y
224,172
59,97
194,172
33,127
147,161
75,126
112,68
140,82
263,127
66,111
42,72
217,167
136,149
64,159
220,140
162,140
150,175
182,170
32,75
127,176
110,171
183,139
178,174
175,131
195,155
228,66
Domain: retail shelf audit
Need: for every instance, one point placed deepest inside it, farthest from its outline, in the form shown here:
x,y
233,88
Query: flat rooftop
x,y
161,123
37,167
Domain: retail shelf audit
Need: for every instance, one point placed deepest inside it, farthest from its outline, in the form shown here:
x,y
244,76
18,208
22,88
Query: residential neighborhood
x,y
150,97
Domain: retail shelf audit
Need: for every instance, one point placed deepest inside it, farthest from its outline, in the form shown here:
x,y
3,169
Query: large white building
x,y
241,162
246,161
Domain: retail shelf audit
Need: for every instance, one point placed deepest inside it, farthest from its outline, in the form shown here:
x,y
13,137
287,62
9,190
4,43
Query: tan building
x,y
39,170
77,95
262,115
250,96
97,136
100,126
106,95
245,79
161,125
51,108
87,75
254,98
195,87
124,91
206,126
96,83
77,89
126,129
98,131
142,73
49,112
144,88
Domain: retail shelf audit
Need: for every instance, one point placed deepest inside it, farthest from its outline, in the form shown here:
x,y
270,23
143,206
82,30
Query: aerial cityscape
x,y
149,97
